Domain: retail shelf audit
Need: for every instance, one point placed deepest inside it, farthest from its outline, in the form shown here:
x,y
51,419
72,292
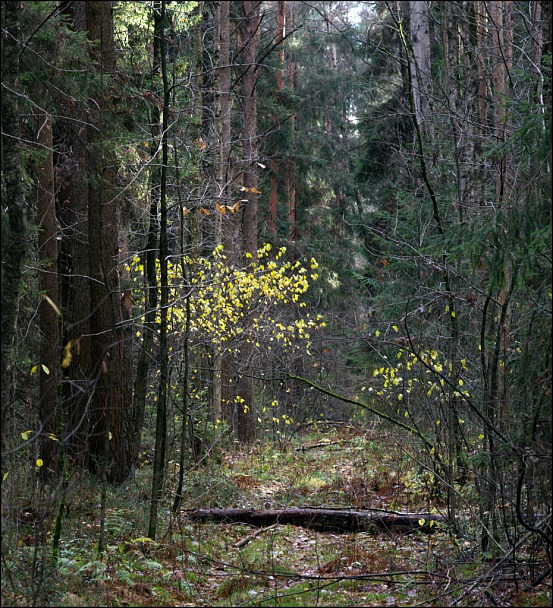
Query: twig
x,y
247,539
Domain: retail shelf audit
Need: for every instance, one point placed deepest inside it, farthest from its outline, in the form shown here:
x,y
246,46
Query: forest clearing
x,y
276,303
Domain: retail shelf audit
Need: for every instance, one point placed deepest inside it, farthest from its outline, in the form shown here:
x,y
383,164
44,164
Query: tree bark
x,y
14,243
162,395
419,34
225,222
323,520
273,196
110,414
291,166
245,418
72,208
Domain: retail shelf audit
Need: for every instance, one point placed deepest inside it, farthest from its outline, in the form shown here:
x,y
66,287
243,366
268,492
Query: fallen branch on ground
x,y
304,448
247,539
322,520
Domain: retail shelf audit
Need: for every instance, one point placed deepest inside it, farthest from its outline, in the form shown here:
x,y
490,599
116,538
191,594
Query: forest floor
x,y
214,564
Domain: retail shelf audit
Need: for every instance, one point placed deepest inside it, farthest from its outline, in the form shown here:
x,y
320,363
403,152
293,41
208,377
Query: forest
x,y
276,303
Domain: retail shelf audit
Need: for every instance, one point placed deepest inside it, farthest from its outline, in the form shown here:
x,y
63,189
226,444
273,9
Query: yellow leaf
x,y
480,436
25,435
431,522
377,333
5,475
396,328
33,370
421,521
52,304
39,462
45,369
67,356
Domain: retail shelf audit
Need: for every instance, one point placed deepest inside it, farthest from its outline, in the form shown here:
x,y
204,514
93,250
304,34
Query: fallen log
x,y
322,520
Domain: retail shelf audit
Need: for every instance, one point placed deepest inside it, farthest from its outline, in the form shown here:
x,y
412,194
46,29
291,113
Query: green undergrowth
x,y
193,564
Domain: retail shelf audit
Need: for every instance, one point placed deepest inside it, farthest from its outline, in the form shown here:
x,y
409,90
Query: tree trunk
x,y
161,413
72,208
250,36
273,196
291,166
419,34
323,520
110,414
224,223
14,241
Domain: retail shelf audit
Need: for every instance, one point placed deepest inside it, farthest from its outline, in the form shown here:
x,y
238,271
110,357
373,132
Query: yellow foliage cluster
x,y
403,378
228,302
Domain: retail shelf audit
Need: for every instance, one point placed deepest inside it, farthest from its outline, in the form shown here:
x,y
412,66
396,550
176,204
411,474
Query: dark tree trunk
x,y
72,209
110,413
15,232
161,413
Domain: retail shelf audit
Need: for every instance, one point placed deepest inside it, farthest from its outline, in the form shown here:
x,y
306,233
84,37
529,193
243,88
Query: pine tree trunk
x,y
291,166
110,414
250,37
273,196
